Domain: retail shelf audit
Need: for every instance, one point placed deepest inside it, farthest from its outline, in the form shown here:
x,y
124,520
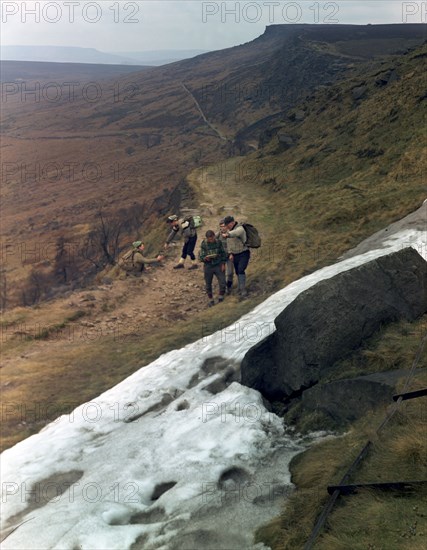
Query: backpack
x,y
253,240
126,261
194,221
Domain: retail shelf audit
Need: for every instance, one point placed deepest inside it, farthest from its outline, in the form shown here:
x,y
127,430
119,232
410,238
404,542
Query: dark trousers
x,y
188,248
210,271
241,262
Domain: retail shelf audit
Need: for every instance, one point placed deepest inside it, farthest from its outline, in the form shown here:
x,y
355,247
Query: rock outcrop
x,y
331,319
343,401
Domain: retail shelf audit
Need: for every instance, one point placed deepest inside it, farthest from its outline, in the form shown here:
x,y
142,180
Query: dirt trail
x,y
163,295
211,126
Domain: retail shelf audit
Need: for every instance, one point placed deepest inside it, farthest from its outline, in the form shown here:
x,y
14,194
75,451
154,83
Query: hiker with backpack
x,y
135,262
238,249
213,256
229,267
187,228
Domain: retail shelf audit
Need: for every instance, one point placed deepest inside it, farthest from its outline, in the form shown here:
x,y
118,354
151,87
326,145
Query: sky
x,y
123,26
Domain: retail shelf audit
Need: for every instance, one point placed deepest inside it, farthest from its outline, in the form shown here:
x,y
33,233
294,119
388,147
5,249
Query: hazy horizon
x,y
78,54
152,25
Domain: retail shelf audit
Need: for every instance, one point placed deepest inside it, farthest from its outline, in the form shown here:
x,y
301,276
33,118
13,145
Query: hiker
x,y
237,251
135,262
213,255
229,267
190,238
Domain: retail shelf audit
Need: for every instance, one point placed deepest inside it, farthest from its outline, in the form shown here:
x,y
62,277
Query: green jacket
x,y
215,249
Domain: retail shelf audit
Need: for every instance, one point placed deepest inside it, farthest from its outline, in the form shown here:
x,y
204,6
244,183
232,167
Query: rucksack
x,y
126,261
253,240
194,221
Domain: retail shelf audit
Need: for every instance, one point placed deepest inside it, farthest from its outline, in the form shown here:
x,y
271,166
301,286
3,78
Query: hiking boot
x,y
229,290
220,299
211,303
243,294
193,266
178,266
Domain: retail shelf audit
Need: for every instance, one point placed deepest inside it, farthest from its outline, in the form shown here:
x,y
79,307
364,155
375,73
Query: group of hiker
x,y
223,253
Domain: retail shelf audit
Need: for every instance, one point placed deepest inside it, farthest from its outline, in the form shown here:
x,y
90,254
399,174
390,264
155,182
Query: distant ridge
x,y
72,54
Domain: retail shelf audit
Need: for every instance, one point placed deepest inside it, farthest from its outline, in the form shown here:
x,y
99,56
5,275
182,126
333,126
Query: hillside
x,y
359,145
126,146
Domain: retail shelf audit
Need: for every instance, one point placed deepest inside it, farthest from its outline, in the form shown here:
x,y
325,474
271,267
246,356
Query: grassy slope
x,y
330,198
369,519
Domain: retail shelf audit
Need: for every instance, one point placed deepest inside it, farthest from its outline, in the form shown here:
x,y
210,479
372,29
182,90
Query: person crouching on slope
x,y
213,255
237,251
189,234
135,262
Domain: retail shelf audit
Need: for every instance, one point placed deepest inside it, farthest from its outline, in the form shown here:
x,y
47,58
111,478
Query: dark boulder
x,y
346,400
387,78
285,140
297,116
359,92
332,318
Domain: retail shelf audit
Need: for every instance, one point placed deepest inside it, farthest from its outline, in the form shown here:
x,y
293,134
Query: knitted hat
x,y
137,244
